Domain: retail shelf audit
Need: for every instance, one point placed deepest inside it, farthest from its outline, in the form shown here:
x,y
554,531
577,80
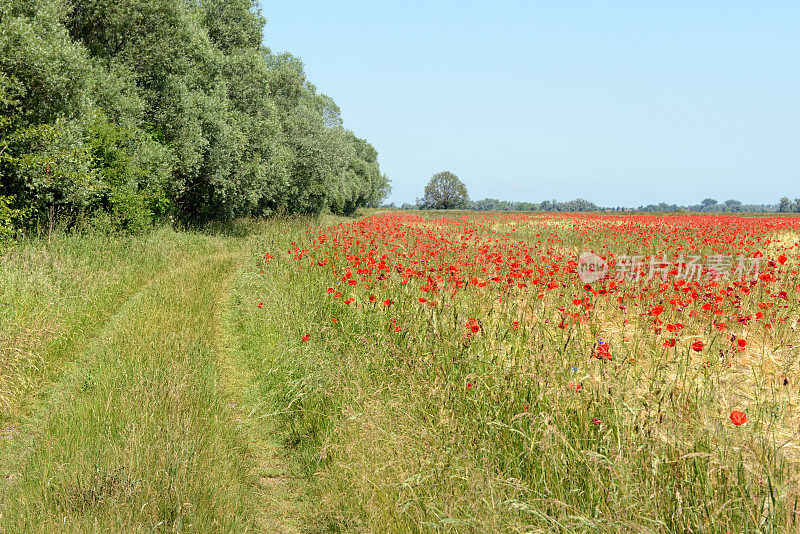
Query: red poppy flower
x,y
670,342
782,259
603,352
260,305
388,302
306,337
738,418
741,344
697,346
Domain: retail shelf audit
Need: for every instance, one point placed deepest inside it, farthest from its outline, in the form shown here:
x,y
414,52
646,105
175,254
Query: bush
x,y
10,218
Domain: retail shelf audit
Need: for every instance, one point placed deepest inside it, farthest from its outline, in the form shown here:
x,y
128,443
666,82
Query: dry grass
x,y
396,442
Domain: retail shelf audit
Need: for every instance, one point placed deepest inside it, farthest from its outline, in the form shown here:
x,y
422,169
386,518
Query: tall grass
x,y
134,433
142,379
406,424
57,292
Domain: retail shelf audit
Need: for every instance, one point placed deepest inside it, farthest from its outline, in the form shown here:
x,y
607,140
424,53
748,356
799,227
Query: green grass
x,y
123,400
56,294
143,389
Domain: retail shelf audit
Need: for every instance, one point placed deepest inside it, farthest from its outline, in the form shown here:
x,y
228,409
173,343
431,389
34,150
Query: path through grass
x,y
146,415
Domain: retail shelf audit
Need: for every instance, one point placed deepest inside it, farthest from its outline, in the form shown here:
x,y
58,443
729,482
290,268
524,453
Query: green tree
x,y
733,205
445,191
709,204
132,108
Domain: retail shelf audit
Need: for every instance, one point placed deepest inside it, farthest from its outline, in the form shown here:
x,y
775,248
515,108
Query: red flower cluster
x,y
473,326
509,277
603,352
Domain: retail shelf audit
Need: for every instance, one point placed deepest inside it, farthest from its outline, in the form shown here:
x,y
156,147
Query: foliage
x,y
444,192
10,218
789,206
582,205
140,109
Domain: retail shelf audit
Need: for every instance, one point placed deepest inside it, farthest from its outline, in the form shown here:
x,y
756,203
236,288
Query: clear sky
x,y
622,103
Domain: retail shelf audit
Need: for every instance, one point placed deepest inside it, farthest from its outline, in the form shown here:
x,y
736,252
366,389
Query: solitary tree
x,y
444,192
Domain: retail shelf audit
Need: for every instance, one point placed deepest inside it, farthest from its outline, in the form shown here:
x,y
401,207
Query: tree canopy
x,y
445,191
126,110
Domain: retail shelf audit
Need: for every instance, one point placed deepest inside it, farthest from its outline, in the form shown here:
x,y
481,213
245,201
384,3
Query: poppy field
x,y
405,372
459,373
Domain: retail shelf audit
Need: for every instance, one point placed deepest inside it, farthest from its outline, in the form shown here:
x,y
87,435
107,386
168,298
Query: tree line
x,y
729,206
119,112
445,190
580,204
493,204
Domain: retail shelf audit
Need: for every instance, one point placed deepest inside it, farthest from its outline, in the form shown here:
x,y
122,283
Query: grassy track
x,y
251,350
56,295
146,413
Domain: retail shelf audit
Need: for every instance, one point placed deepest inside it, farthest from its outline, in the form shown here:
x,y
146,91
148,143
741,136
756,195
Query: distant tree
x,y
487,204
579,204
733,205
709,204
444,192
785,206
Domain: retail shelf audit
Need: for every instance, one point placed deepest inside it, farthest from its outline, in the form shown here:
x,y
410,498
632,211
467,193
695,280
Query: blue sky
x,y
622,103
